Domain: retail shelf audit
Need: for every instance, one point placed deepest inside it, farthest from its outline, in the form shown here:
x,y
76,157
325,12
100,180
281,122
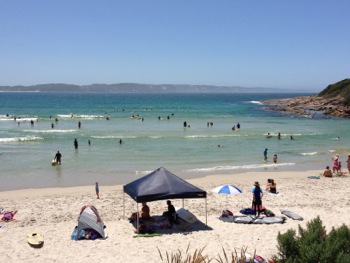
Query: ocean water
x,y
156,137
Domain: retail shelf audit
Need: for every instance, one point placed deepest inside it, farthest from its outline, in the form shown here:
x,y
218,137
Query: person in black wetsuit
x,y
58,157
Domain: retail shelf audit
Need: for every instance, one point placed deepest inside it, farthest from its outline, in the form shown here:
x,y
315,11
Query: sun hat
x,y
256,183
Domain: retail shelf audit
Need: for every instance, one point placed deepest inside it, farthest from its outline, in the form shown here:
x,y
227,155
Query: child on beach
x,y
336,164
97,189
274,158
265,154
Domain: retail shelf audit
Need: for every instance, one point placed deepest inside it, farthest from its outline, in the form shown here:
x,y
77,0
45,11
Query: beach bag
x,y
247,211
227,213
269,213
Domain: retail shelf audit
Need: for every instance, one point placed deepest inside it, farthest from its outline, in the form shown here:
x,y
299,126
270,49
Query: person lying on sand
x,y
9,216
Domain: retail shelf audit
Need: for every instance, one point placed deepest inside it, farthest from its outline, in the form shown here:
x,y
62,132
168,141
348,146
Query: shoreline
x,y
54,211
186,175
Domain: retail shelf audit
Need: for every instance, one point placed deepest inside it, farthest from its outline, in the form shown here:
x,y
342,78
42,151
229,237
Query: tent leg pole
x,y
137,216
206,213
124,205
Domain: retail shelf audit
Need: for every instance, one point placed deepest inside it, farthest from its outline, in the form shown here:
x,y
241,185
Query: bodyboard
x,y
243,219
186,215
291,214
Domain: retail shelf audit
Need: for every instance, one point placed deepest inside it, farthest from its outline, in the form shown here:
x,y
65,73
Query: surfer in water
x,y
58,157
76,144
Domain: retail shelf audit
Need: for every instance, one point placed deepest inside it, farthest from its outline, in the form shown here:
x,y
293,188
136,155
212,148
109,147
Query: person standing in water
x,y
274,158
58,157
76,144
79,124
265,154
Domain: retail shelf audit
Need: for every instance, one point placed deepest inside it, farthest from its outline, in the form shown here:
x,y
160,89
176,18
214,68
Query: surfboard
x,y
35,239
54,162
186,215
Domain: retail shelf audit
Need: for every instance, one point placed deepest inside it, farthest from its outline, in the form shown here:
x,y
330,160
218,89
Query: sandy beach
x,y
54,212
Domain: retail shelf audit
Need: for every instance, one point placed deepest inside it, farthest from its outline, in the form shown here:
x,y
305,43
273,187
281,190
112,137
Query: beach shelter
x,y
90,219
162,185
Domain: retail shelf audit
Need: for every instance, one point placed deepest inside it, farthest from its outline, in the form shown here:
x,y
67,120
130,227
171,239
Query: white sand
x,y
54,212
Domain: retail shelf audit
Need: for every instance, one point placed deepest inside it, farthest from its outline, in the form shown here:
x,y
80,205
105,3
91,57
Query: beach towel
x,y
148,235
292,215
314,177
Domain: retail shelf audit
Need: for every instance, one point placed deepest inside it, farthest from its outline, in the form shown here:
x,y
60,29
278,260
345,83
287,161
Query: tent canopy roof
x,y
160,185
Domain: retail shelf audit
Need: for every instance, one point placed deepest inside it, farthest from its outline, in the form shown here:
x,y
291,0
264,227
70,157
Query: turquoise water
x,y
155,138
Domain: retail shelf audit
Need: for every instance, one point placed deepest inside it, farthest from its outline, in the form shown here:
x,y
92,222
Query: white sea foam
x,y
255,102
311,153
25,119
72,116
19,139
50,131
212,136
248,167
113,137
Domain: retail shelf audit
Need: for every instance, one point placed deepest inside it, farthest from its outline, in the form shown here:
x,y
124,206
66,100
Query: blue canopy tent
x,y
162,185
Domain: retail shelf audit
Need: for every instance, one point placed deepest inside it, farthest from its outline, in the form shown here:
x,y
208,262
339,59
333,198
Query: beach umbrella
x,y
227,190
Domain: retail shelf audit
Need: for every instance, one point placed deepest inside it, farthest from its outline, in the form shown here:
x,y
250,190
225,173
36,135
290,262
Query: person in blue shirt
x,y
257,198
265,154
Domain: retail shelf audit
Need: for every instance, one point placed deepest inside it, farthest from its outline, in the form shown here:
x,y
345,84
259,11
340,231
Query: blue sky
x,y
279,44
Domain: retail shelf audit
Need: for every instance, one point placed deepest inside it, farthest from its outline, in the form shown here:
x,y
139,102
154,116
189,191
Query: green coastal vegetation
x,y
340,89
311,245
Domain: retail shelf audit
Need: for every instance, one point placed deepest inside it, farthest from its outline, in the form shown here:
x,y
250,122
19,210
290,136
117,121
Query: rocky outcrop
x,y
310,106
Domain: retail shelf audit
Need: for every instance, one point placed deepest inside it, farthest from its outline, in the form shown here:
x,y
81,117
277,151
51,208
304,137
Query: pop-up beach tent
x,y
162,185
90,219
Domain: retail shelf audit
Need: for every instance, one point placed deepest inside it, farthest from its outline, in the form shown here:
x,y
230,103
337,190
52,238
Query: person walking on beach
x,y
97,189
58,157
257,198
76,144
265,154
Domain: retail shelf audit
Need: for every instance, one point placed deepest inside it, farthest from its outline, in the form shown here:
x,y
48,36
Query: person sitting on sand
x,y
144,214
268,185
348,162
8,216
171,213
273,187
145,211
327,172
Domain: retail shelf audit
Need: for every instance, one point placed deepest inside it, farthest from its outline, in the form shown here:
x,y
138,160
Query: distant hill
x,y
339,90
142,88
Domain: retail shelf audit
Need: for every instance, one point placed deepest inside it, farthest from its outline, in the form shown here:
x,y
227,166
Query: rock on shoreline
x,y
308,105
